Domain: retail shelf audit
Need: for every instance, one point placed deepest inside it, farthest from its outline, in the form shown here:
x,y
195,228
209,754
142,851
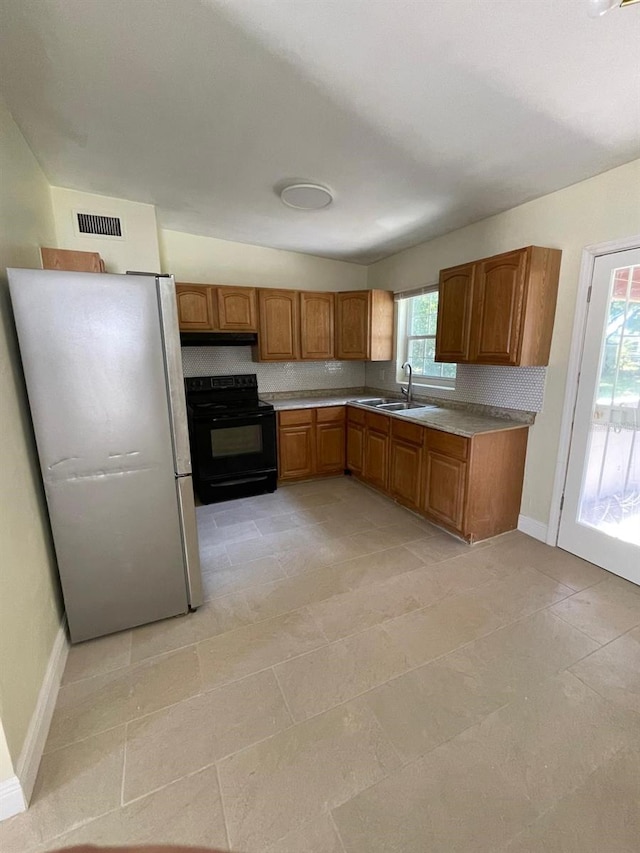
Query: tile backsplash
x,y
507,387
278,376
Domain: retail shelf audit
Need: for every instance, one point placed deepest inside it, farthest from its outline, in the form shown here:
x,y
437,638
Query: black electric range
x,y
233,437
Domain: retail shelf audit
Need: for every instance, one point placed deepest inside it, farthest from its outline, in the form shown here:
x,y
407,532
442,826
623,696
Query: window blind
x,y
417,291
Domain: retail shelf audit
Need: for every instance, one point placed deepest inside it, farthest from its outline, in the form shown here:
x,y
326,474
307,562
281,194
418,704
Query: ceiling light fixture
x,y
596,8
306,196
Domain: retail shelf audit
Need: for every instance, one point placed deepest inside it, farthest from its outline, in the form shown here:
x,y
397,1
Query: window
x,y
417,316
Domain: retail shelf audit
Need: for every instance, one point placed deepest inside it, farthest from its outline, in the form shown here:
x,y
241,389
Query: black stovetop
x,y
224,394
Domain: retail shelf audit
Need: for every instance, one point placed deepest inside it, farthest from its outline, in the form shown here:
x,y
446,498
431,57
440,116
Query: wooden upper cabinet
x,y
364,325
237,311
195,308
499,310
317,323
70,260
279,325
455,297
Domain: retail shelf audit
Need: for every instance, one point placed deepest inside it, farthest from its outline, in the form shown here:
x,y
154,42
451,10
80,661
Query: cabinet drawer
x,y
356,416
447,443
413,433
380,423
330,414
295,417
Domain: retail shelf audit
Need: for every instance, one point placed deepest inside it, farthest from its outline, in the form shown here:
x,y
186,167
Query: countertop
x,y
455,421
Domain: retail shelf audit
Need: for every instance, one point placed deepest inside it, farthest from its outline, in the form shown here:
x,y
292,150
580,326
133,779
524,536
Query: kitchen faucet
x,y
408,391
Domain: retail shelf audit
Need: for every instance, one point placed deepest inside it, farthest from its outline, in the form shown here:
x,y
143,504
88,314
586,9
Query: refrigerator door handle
x,y
190,548
173,369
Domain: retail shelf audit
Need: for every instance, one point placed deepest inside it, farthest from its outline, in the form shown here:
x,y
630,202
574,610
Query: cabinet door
x,y
279,324
330,448
355,447
353,318
405,473
237,309
444,493
498,305
71,260
317,326
295,452
376,459
195,308
455,299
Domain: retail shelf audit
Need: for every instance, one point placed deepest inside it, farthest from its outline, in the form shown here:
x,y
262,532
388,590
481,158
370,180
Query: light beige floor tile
x,y
441,546
443,627
282,783
442,802
318,836
472,569
243,576
614,671
604,611
20,834
601,815
346,525
268,545
489,783
425,707
213,559
313,556
77,783
105,701
390,535
286,521
255,647
241,532
210,619
360,572
188,812
526,552
283,596
96,657
176,741
248,511
336,673
521,593
361,608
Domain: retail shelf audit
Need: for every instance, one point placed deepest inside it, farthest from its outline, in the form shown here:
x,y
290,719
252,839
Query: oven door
x,y
232,445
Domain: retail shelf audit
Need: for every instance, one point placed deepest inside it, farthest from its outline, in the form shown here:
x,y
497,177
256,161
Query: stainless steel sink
x,y
388,405
398,406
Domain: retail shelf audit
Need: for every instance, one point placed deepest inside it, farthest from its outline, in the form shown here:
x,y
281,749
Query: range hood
x,y
218,339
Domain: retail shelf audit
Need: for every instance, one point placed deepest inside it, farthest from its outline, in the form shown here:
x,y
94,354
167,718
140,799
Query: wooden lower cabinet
x,y
311,442
444,489
405,468
330,440
375,468
355,440
470,486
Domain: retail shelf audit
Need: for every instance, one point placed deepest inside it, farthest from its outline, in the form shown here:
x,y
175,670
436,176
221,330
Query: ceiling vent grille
x,y
101,226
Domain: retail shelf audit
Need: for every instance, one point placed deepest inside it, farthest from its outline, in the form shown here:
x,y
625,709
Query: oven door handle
x,y
238,418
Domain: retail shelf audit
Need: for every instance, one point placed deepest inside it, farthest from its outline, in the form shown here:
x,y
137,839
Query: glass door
x,y
601,511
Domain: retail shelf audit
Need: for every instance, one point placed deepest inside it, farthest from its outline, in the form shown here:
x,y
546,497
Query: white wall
x,y
196,259
603,208
29,605
139,248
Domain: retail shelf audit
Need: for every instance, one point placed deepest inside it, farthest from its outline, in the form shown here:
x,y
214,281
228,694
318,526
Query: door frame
x,y
589,255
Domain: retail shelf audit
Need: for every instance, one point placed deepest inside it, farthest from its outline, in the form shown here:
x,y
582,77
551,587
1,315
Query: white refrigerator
x,y
101,360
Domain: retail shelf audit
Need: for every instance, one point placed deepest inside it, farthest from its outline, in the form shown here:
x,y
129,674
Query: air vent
x,y
101,226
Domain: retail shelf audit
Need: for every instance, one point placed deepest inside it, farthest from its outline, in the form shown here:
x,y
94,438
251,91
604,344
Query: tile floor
x,y
357,681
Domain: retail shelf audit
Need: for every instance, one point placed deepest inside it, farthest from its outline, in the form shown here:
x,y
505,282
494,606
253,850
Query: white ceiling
x,y
420,115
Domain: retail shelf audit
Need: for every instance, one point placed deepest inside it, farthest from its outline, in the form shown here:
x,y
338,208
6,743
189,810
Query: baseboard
x,y
533,528
33,747
12,799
